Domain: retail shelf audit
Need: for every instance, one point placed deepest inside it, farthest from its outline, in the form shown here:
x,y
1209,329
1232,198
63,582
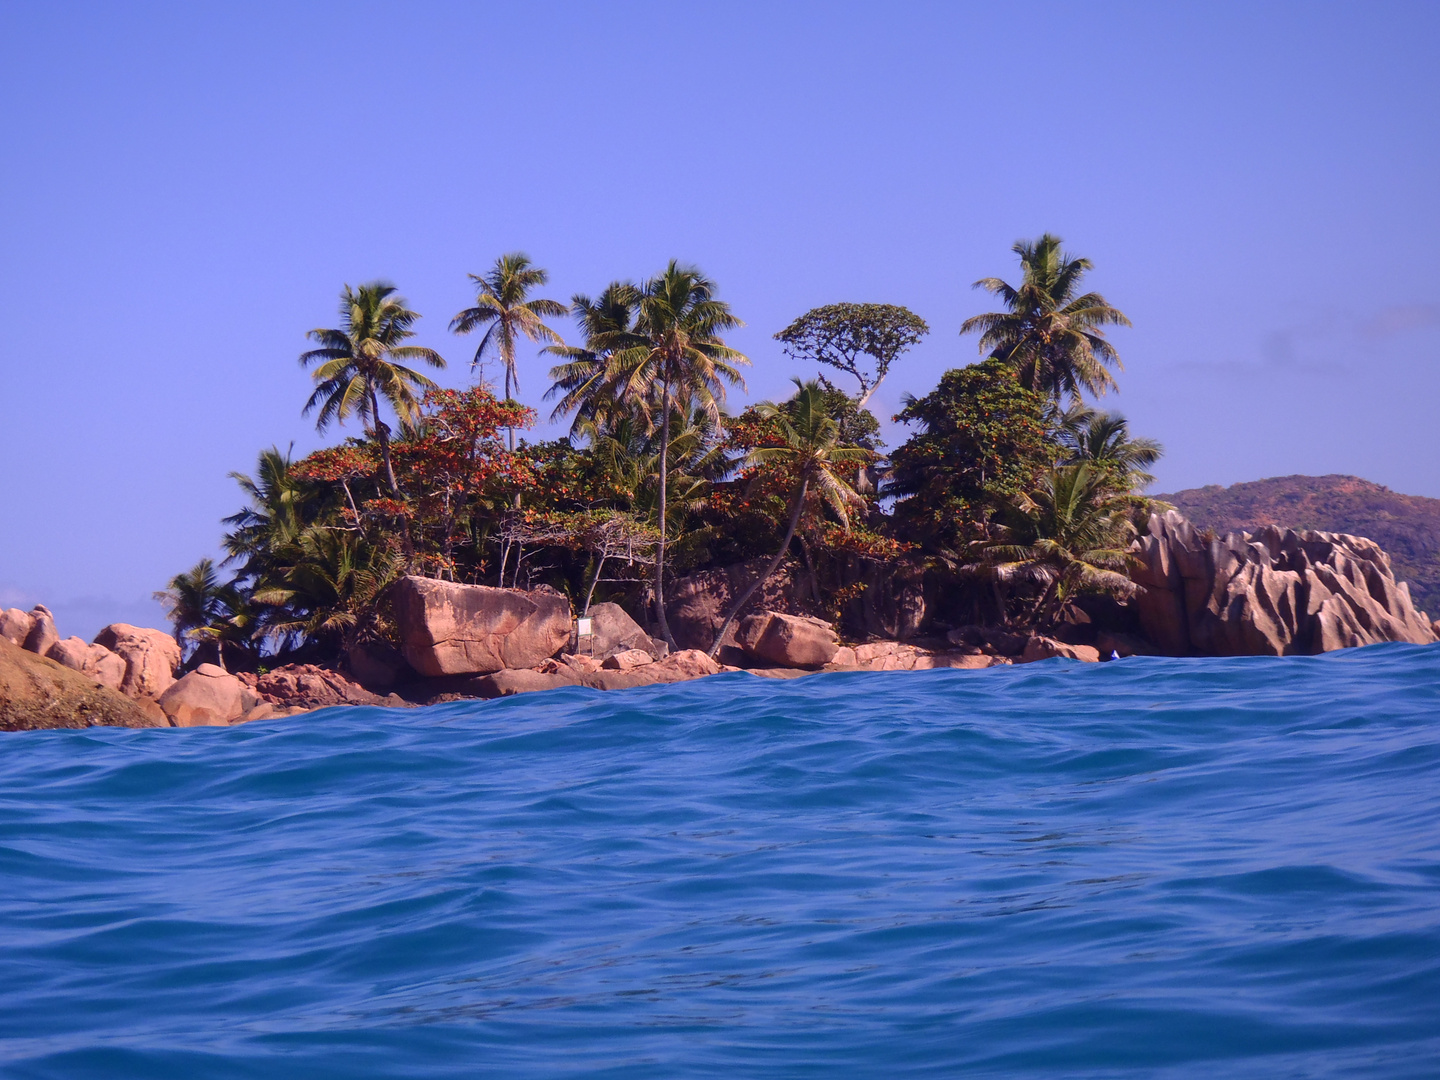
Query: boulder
x,y
796,641
522,681
36,692
15,626
266,711
42,636
627,660
613,631
685,664
452,629
376,666
150,656
207,696
307,686
696,606
1274,593
677,667
844,657
96,661
72,652
1046,648
582,665
960,661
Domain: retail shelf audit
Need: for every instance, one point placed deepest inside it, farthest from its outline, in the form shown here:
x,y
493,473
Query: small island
x,y
436,553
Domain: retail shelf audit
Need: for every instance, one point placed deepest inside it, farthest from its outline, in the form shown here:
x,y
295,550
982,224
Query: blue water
x,y
1152,868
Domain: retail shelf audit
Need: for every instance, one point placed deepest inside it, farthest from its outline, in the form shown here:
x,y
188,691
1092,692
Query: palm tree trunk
x,y
382,436
775,562
664,485
1043,604
510,431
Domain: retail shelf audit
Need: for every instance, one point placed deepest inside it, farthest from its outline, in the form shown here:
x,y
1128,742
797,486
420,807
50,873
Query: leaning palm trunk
x,y
774,565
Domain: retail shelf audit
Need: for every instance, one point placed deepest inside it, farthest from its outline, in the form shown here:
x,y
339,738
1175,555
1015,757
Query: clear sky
x,y
184,188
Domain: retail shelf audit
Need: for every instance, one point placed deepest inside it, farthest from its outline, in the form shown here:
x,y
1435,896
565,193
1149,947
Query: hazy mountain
x,y
1406,526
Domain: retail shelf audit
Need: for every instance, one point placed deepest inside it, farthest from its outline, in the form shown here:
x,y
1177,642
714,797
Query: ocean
x,y
1147,868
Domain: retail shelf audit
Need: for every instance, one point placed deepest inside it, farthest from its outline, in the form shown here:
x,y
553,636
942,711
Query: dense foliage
x,y
996,483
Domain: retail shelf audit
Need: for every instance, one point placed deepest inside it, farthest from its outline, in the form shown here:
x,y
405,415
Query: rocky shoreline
x,y
1274,593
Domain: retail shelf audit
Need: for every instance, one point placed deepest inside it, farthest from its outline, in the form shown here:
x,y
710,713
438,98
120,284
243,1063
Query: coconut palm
x,y
208,611
358,364
331,591
280,507
582,381
504,309
674,361
1103,439
1071,534
1050,332
811,449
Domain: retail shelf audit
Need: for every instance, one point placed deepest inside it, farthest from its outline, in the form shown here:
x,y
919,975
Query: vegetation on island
x,y
1010,490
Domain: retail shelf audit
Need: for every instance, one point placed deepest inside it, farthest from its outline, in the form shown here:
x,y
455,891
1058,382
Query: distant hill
x,y
1406,526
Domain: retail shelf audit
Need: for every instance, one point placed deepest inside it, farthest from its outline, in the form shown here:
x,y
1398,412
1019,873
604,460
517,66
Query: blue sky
x,y
184,189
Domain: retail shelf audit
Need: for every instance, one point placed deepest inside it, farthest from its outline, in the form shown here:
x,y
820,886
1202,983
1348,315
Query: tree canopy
x,y
862,339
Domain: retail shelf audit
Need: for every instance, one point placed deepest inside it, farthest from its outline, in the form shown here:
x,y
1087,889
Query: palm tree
x,y
1103,439
582,380
811,448
1053,337
503,308
1072,534
332,590
208,611
358,364
280,508
675,349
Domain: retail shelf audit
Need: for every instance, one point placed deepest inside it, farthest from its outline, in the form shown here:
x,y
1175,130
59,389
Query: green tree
x,y
982,440
281,506
504,308
1103,439
331,593
1072,534
582,381
675,360
863,339
809,448
359,364
1052,334
213,614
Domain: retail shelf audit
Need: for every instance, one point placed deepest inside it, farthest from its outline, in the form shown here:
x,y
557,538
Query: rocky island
x,y
664,538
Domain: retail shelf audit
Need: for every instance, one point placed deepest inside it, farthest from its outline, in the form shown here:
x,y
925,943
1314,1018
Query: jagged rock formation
x,y
1273,593
1406,526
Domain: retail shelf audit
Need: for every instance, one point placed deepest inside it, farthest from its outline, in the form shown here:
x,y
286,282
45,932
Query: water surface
x,y
1152,868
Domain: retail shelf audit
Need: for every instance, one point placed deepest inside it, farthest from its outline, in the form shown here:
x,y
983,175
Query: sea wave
x,y
1172,868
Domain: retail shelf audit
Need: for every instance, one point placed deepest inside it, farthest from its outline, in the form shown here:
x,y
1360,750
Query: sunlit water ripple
x,y
1157,868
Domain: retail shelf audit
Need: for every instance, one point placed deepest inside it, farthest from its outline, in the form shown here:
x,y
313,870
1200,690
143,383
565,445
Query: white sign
x,y
582,627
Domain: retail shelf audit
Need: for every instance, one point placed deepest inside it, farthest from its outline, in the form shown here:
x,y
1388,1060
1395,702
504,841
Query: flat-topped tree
x,y
863,339
358,364
504,308
1050,332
